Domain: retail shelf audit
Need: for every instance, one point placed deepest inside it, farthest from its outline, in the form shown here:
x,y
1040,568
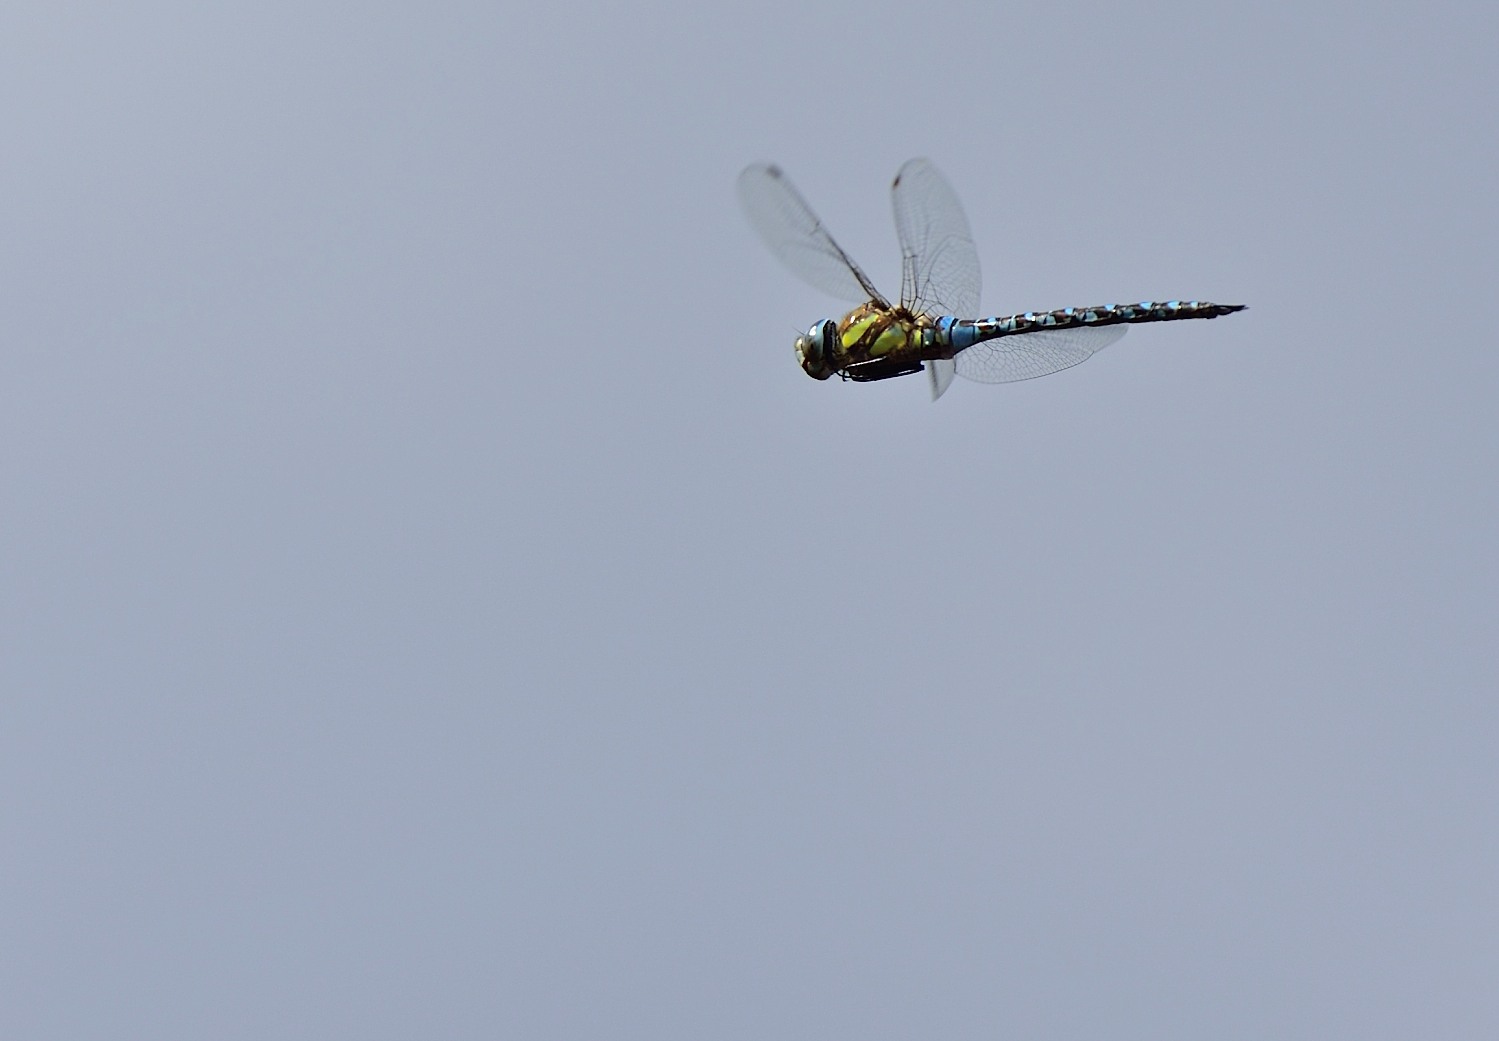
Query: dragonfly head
x,y
815,349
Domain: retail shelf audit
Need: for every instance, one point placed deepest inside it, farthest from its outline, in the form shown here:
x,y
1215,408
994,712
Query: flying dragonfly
x,y
931,328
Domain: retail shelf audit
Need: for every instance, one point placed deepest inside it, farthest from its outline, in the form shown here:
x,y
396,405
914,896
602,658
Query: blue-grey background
x,y
434,604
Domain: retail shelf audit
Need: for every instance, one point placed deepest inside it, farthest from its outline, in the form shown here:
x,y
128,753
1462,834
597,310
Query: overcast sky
x,y
434,603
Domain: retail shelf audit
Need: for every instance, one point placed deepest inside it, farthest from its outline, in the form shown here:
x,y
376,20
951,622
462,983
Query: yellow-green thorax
x,y
871,332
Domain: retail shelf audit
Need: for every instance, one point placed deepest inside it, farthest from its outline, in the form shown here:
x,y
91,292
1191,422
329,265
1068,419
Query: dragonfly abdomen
x,y
958,334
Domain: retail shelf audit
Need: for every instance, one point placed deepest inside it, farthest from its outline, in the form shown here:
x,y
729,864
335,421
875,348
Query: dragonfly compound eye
x,y
815,349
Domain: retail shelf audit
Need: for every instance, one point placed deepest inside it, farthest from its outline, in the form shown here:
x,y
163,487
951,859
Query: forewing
x,y
939,264
1028,355
794,234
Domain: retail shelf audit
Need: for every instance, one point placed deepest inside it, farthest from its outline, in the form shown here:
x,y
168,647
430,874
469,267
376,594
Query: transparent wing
x,y
940,372
795,235
1028,355
939,264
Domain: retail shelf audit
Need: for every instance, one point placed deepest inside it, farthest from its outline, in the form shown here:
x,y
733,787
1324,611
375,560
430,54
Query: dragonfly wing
x,y
939,264
940,372
795,235
1028,355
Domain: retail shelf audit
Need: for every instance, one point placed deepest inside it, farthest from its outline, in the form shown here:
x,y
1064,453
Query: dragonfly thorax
x,y
876,341
871,342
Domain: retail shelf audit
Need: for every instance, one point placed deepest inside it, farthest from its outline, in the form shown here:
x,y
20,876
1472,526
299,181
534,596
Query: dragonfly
x,y
932,328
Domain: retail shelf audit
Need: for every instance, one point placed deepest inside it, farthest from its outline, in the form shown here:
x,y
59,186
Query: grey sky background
x,y
435,604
